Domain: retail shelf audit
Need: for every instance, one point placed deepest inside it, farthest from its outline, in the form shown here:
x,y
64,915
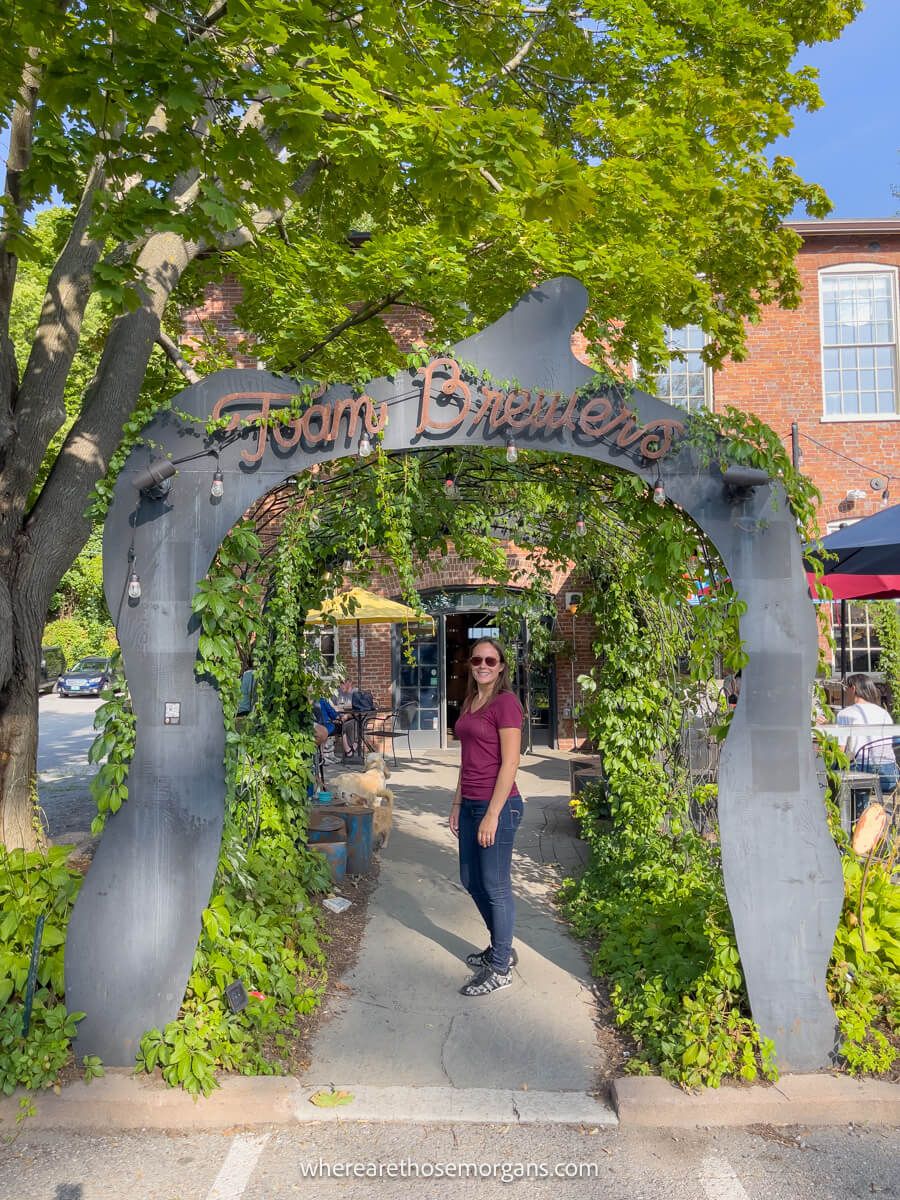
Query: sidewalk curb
x,y
650,1102
122,1101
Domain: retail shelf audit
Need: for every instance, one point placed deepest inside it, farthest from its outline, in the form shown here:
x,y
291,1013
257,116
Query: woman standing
x,y
487,809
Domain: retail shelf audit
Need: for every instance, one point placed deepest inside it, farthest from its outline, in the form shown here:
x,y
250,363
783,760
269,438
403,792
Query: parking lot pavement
x,y
487,1161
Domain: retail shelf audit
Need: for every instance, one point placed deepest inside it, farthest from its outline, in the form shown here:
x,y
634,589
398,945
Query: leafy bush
x,y
864,973
31,885
77,638
667,945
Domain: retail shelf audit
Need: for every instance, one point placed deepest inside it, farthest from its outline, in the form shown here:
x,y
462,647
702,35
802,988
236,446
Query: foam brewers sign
x,y
449,403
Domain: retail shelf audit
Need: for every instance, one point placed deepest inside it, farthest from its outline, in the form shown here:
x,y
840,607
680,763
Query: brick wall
x,y
781,381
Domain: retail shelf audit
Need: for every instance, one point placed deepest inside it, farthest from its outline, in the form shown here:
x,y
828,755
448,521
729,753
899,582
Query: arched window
x,y
859,340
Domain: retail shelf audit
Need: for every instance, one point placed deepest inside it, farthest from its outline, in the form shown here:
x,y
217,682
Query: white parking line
x,y
235,1172
719,1180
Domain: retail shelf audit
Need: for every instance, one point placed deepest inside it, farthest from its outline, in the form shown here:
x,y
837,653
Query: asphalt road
x,y
65,733
768,1164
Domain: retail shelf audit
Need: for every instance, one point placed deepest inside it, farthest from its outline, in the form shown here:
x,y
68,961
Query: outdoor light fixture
x,y
581,525
217,487
740,481
154,480
659,491
512,454
855,494
134,586
365,446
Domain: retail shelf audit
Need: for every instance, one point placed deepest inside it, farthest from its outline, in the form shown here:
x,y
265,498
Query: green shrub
x,y
31,885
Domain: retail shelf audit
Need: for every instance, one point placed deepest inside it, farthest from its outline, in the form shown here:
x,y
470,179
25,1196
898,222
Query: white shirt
x,y
865,713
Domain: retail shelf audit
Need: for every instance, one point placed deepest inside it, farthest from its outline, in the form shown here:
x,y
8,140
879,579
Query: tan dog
x,y
370,786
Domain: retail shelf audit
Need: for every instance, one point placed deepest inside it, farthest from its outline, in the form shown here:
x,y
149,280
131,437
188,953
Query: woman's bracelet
x,y
456,804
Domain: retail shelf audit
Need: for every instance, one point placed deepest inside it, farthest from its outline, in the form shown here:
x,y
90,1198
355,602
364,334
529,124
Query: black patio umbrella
x,y
867,566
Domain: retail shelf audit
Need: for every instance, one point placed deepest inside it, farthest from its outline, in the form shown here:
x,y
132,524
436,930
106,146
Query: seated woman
x,y
871,753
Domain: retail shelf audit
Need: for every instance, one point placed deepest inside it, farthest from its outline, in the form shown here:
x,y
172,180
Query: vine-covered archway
x,y
135,925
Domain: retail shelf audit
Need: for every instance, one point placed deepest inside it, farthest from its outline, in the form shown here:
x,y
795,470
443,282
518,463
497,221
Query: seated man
x,y
328,721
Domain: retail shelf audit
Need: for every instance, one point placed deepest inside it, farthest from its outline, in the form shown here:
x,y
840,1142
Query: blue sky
x,y
850,146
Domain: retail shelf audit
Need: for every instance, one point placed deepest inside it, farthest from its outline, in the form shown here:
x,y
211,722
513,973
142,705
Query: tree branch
x,y
512,64
110,400
40,406
366,313
21,132
265,217
170,348
485,174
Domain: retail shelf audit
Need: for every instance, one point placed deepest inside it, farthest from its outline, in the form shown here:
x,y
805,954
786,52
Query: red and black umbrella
x,y
867,566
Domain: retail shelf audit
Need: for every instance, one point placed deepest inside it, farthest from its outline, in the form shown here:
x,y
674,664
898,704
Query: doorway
x,y
434,672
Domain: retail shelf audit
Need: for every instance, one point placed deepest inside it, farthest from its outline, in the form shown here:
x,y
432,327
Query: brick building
x,y
829,368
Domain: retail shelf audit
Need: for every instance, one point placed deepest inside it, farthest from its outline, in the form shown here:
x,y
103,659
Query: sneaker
x,y
486,981
482,958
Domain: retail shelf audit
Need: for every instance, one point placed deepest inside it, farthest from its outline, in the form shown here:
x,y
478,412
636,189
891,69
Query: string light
x,y
365,446
512,454
134,586
450,488
581,525
659,492
315,468
217,487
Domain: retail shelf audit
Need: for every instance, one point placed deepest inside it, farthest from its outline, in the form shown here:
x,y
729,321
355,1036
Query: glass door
x,y
420,680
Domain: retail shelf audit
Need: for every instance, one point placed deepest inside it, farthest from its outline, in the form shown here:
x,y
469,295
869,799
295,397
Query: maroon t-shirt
x,y
479,736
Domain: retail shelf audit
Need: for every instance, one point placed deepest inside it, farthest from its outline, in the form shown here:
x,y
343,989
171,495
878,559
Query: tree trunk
x,y
20,825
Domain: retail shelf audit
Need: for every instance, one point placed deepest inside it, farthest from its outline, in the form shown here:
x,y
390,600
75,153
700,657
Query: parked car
x,y
53,664
88,677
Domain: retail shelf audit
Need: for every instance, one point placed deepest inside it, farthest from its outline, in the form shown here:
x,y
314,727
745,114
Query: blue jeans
x,y
484,872
887,774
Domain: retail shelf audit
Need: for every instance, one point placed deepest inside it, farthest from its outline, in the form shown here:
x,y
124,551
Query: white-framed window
x,y
685,381
324,642
858,303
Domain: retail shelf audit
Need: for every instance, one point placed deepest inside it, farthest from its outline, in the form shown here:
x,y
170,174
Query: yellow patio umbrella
x,y
359,607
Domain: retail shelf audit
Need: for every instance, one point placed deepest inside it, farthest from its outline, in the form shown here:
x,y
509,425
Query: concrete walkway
x,y
403,1021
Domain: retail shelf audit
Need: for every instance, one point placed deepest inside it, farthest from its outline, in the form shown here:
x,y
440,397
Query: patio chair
x,y
396,724
875,758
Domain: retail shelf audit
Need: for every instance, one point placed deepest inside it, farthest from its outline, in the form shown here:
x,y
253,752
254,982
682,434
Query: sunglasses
x,y
489,660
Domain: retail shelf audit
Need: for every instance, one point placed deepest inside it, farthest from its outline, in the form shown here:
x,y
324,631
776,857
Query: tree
x,y
481,143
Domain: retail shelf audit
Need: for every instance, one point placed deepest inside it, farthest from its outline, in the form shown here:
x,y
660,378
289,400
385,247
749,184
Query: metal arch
x,y
136,922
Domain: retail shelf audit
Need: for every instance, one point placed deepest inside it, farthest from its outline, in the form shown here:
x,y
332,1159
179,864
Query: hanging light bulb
x,y
581,525
659,492
348,565
134,586
450,488
512,454
217,487
365,446
314,520
315,468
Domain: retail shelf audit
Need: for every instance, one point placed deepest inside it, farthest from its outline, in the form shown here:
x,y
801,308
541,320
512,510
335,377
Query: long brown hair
x,y
503,683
